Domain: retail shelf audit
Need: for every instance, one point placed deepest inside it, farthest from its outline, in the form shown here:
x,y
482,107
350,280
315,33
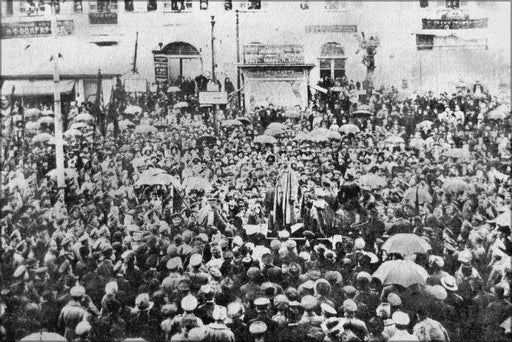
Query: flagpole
x,y
59,146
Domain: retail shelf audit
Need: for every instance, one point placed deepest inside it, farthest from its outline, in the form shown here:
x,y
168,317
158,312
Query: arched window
x,y
332,60
180,49
184,60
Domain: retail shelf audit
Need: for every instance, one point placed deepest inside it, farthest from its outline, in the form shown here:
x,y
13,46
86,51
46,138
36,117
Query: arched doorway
x,y
184,60
332,60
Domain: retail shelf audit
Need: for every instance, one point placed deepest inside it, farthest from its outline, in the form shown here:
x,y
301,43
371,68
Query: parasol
x,y
45,121
363,113
265,139
300,136
394,140
79,125
133,110
276,125
41,137
84,117
68,173
181,105
426,124
47,112
245,121
372,181
158,179
72,132
232,123
349,128
273,131
499,113
406,244
317,136
401,272
144,129
31,126
43,336
455,184
32,112
417,194
457,153
173,89
196,183
417,143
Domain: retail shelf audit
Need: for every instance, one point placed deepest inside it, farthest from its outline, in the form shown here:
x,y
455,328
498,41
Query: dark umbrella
x,y
206,139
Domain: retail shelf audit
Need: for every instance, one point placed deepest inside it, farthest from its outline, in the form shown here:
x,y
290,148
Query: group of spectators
x,y
201,226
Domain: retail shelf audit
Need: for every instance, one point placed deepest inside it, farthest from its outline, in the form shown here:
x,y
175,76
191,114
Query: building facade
x,y
423,45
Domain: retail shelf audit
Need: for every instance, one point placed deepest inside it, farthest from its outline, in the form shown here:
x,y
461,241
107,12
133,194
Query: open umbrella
x,y
181,105
232,123
265,139
78,125
31,126
133,110
349,128
316,138
394,140
154,171
499,113
245,121
68,173
457,153
46,120
206,139
160,124
401,272
455,184
196,183
158,179
173,89
84,117
126,123
274,131
47,112
144,129
406,244
32,112
43,336
41,137
417,143
426,124
275,125
72,132
372,181
362,113
417,194
503,219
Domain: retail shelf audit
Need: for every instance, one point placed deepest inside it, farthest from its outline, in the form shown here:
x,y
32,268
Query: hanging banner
x,y
161,68
273,54
103,18
36,28
453,24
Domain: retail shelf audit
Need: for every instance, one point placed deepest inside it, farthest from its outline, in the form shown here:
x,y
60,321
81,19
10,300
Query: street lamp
x,y
213,50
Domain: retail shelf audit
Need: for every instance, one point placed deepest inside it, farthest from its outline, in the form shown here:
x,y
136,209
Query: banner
x,y
453,24
161,68
103,18
36,28
331,29
273,54
213,97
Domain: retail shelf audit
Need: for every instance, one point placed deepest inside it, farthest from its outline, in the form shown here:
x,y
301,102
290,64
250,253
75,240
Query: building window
x,y
304,5
452,3
9,8
254,4
423,3
103,6
152,5
78,7
332,60
36,7
128,5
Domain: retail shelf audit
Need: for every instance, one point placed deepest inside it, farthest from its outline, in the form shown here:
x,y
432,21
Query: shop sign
x,y
161,68
275,74
273,54
453,24
213,97
103,18
36,28
331,29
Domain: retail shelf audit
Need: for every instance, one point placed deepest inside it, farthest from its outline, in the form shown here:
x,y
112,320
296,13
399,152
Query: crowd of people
x,y
383,219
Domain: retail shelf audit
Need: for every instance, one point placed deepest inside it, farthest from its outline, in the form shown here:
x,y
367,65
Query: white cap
x,y
401,318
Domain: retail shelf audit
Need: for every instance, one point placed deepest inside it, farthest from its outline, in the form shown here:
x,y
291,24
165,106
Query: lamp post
x,y
214,79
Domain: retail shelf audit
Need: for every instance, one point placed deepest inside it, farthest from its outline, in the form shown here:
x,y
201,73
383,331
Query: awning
x,y
35,87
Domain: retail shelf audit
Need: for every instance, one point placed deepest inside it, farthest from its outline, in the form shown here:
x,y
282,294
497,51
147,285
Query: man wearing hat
x,y
262,306
170,283
73,313
402,322
188,305
259,331
350,322
238,327
82,332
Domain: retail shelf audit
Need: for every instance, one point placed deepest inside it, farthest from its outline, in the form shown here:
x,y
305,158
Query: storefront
x,y
275,74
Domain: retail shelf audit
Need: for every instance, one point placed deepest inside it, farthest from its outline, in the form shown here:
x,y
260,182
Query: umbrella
x,y
72,132
245,121
300,136
173,89
154,171
68,173
499,113
349,128
140,161
143,129
84,117
45,121
133,110
160,124
47,112
126,123
265,139
158,179
276,125
417,143
426,124
41,137
372,181
457,153
181,105
43,336
196,183
78,125
455,184
362,113
232,123
31,112
394,140
32,126
273,131
406,244
503,219
419,194
206,139
401,272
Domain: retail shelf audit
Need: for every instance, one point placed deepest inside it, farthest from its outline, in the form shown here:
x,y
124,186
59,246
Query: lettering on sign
x,y
161,68
213,97
36,28
275,74
273,54
103,18
453,24
331,29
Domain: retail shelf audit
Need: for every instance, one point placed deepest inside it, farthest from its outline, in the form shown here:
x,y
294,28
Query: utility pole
x,y
214,78
59,146
238,59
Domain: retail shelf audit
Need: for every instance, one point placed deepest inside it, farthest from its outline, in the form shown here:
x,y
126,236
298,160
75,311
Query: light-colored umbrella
x,y
84,117
126,123
79,125
406,244
196,183
72,132
426,124
394,140
68,173
265,139
417,143
401,272
455,184
173,89
274,131
32,112
231,123
144,129
349,128
276,125
362,113
43,336
158,179
47,112
316,138
31,126
181,105
372,181
417,194
324,132
457,153
41,137
503,219
300,136
133,110
499,113
154,171
46,120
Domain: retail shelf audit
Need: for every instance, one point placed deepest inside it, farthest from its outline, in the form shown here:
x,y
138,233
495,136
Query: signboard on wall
x,y
36,28
213,97
331,29
161,68
103,18
453,24
275,74
273,54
